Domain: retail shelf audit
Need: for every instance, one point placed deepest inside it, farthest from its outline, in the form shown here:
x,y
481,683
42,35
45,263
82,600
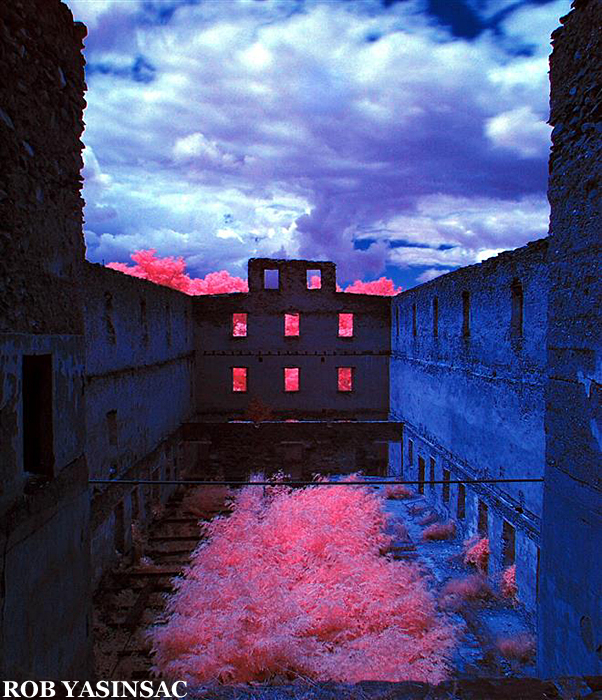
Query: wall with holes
x,y
139,389
312,342
467,380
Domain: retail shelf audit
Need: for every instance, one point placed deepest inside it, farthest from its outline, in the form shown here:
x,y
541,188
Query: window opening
x,y
314,279
421,475
483,521
508,544
119,531
135,498
239,325
271,279
108,317
239,379
436,317
465,314
516,322
291,378
432,472
38,443
345,325
345,378
414,320
112,428
410,452
461,502
446,486
143,322
291,325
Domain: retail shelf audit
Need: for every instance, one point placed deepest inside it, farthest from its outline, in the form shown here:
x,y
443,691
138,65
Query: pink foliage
x,y
292,584
291,324
315,282
171,272
477,553
429,519
398,491
458,591
206,500
381,287
520,648
345,378
239,379
509,587
440,531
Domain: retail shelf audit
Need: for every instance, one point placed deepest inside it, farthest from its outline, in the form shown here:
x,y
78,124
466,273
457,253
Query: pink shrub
x,y
458,591
440,531
205,500
477,553
519,648
398,491
508,586
293,584
428,519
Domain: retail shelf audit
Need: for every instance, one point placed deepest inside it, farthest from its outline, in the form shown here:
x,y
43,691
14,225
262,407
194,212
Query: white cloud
x,y
431,274
519,131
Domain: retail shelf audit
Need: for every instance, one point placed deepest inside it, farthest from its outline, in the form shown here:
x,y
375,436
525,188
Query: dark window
x,y
108,318
135,498
432,471
397,321
421,475
239,379
239,325
435,317
537,576
314,279
112,429
465,314
291,325
345,378
483,521
291,379
410,452
508,544
414,320
446,486
119,529
516,322
143,322
271,279
461,514
345,325
38,444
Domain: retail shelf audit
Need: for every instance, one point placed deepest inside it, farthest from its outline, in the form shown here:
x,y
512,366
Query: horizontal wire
x,y
192,482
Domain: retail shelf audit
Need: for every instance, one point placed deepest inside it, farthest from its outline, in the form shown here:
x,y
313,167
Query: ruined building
x,y
491,371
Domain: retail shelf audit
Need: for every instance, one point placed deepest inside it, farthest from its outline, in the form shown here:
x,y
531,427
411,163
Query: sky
x,y
405,138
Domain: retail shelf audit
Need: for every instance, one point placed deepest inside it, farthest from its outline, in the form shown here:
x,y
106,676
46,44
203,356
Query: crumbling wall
x,y
44,512
139,389
570,626
467,380
317,351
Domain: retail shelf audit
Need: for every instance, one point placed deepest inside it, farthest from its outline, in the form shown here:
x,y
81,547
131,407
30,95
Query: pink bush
x,y
429,519
440,531
520,648
509,587
205,500
381,287
398,491
292,584
477,553
458,591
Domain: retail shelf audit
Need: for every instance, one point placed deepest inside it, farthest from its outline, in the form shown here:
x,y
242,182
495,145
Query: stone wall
x,y
44,510
467,380
139,389
317,351
570,624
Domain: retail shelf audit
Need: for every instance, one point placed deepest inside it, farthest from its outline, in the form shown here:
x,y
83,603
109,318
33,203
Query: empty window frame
x,y
483,519
432,471
345,379
239,379
421,474
436,317
345,325
291,378
314,279
112,429
38,441
271,279
465,314
508,544
410,452
516,320
414,320
239,325
446,486
461,507
291,325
